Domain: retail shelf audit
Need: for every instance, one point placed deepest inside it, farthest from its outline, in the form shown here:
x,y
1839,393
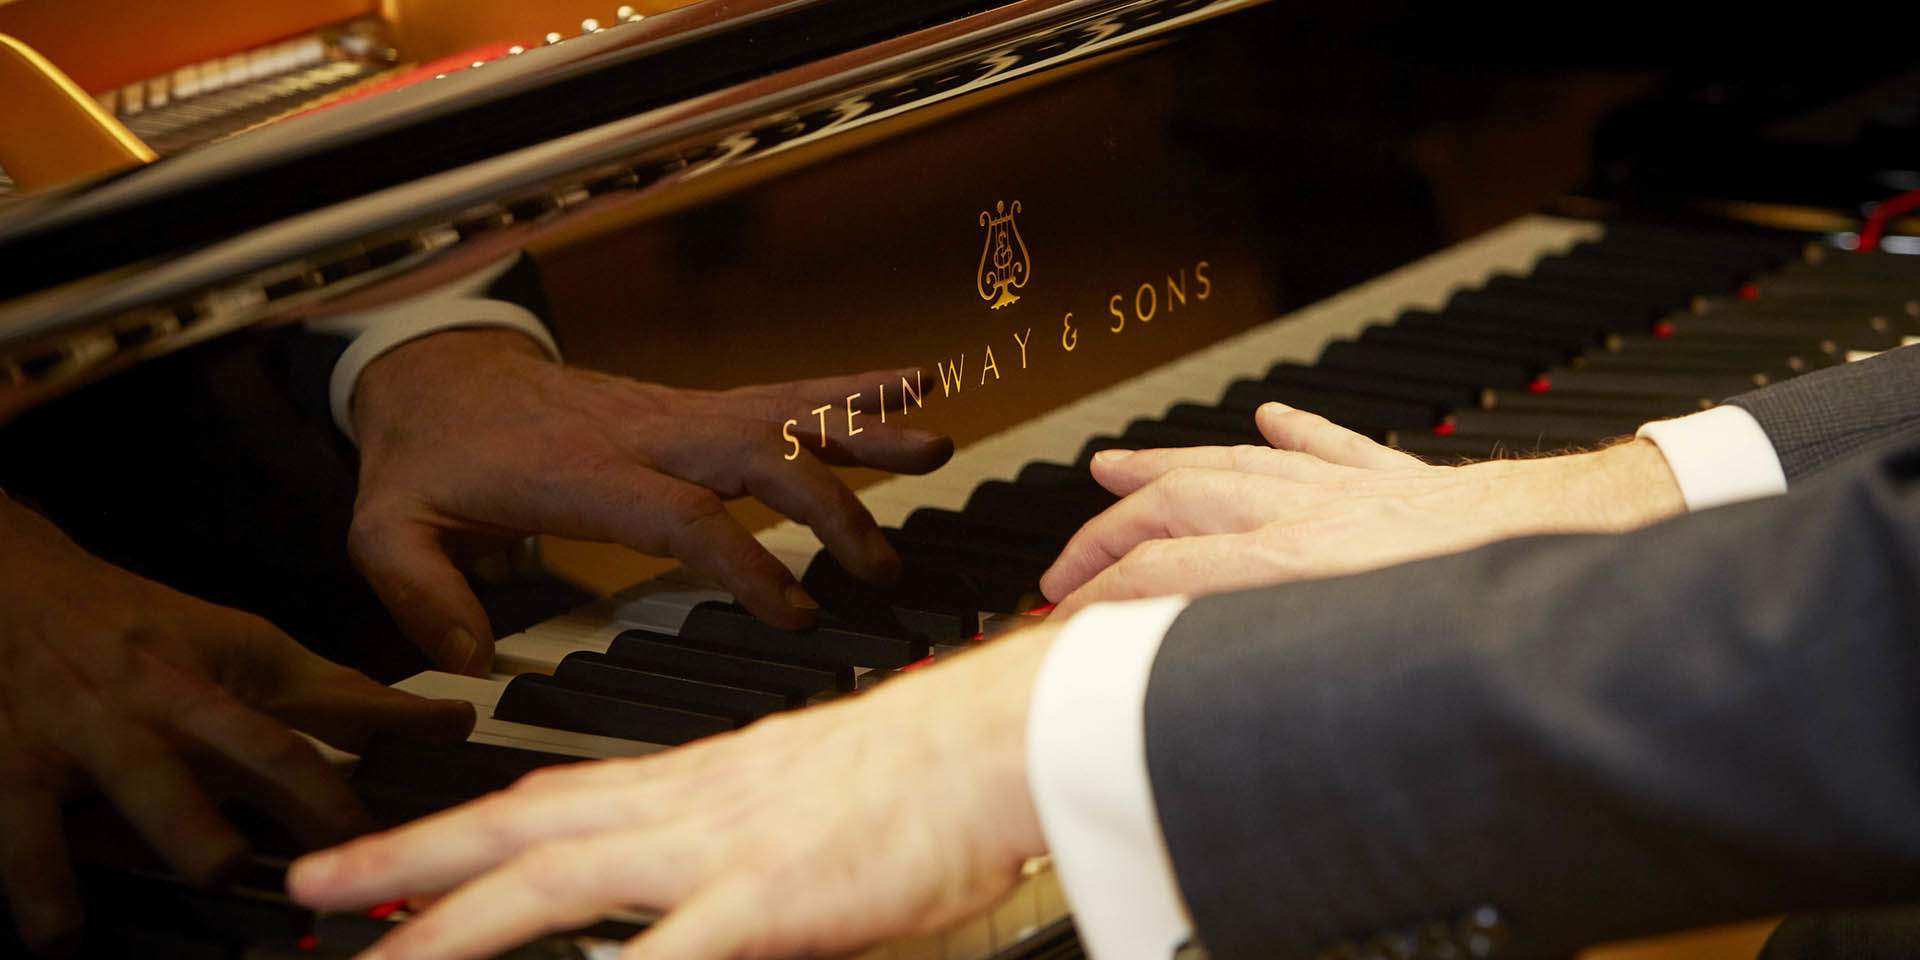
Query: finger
x,y
34,870
429,597
149,783
444,850
715,924
872,397
348,710
1290,429
1124,471
1193,565
803,489
699,532
283,773
552,887
1186,502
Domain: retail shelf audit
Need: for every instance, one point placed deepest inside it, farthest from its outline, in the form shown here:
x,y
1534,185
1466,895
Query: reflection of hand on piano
x,y
116,683
1328,501
473,435
894,813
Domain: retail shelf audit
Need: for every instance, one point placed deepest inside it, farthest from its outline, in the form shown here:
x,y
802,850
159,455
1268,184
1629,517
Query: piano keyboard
x,y
1543,334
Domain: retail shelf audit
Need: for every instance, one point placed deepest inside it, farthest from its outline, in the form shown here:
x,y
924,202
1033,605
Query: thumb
x,y
429,597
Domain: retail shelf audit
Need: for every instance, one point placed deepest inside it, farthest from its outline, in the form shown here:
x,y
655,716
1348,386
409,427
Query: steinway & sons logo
x,y
1005,266
1004,263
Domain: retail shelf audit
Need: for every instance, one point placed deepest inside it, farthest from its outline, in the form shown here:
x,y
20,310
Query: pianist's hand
x,y
896,812
471,437
1326,501
113,683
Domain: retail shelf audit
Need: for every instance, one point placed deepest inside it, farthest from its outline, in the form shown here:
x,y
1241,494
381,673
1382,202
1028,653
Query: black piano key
x,y
1659,297
1815,299
1532,307
1493,348
1160,433
1589,274
139,913
1592,404
1363,414
1706,386
1774,368
1716,253
1765,249
1814,347
1860,333
1154,435
1369,384
1557,427
730,627
545,701
668,654
1843,314
947,526
602,674
1856,265
953,587
1707,276
1807,355
1005,563
1045,509
1542,333
1042,473
1425,365
402,780
1223,420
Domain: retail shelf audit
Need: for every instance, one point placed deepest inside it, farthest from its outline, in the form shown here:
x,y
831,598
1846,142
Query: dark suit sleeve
x,y
1595,737
1824,417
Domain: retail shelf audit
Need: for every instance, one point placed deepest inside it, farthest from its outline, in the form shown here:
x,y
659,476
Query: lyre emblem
x,y
1004,264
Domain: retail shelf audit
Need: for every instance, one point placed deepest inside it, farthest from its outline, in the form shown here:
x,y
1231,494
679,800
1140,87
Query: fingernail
x,y
1112,455
1274,406
308,870
459,648
799,599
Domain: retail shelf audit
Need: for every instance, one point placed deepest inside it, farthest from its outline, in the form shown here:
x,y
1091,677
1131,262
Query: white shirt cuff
x,y
1087,768
456,305
1718,456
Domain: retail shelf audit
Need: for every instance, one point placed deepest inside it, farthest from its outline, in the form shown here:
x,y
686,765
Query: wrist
x,y
1627,486
414,371
988,739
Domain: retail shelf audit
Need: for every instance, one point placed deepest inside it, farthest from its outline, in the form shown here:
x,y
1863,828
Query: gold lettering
x,y
853,410
1206,285
821,412
1069,337
949,388
1119,319
1153,303
1177,290
1023,346
883,405
990,365
786,433
911,391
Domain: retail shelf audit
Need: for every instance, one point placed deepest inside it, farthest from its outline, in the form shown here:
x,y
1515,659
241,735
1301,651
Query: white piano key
x,y
970,940
484,694
1015,918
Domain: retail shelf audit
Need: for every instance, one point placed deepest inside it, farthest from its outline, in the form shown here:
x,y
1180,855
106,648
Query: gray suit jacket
x,y
1550,742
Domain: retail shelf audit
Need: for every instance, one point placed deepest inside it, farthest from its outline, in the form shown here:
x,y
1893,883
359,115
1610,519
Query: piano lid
x,y
365,145
146,290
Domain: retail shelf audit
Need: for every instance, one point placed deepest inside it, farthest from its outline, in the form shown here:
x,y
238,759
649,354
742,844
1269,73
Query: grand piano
x,y
1088,224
